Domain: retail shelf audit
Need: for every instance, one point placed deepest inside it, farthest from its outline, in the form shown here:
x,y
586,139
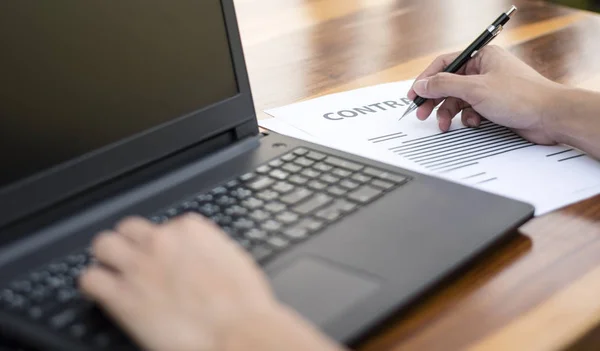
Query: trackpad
x,y
320,290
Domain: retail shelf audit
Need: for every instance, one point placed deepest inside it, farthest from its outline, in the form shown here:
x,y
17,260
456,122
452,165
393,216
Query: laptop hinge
x,y
247,129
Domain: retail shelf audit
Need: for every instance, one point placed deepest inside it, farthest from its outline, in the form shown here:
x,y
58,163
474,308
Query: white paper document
x,y
491,158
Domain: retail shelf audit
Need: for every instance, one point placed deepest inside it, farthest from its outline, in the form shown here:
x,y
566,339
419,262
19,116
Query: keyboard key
x,y
236,210
283,187
222,219
317,156
67,295
336,210
275,207
300,151
19,302
172,212
39,294
21,286
382,184
7,295
225,201
296,233
232,183
336,190
342,173
209,209
298,180
71,259
288,157
292,168
287,217
243,224
313,203
189,205
55,282
322,167
63,318
267,195
310,173
271,225
348,184
240,193
263,169
304,162
344,206
329,214
303,229
261,253
78,331
219,190
311,224
256,234
158,219
338,162
260,183
204,198
276,163
377,173
279,174
35,312
328,178
361,178
244,243
278,243
228,230
252,203
260,215
76,271
364,194
296,196
317,185
246,177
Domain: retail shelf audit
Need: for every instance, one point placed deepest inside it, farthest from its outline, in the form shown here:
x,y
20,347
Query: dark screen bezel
x,y
68,179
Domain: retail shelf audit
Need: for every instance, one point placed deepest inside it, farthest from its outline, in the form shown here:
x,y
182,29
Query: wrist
x,y
556,111
572,119
274,328
247,328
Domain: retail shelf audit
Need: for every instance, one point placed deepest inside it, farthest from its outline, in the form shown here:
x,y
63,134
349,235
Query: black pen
x,y
490,33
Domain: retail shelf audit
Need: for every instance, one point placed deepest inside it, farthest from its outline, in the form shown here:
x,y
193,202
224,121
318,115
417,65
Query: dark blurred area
x,y
592,5
77,76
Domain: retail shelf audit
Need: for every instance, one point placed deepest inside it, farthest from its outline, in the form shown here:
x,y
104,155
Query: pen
x,y
490,33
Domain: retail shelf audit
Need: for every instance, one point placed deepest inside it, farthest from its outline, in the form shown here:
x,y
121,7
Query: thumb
x,y
443,85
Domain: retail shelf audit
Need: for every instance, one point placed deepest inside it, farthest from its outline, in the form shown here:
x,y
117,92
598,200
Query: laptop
x,y
110,109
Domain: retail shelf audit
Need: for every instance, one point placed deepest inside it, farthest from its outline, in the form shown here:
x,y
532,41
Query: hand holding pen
x,y
471,51
500,87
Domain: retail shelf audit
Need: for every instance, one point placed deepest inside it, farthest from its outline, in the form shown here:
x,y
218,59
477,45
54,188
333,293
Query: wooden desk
x,y
540,291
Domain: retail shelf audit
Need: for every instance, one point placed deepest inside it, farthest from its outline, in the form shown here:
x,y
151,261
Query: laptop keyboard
x,y
267,211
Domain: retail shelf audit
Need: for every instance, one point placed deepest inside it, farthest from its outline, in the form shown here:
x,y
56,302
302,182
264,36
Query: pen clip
x,y
494,32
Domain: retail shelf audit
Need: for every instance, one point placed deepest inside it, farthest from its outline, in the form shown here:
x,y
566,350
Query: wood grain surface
x,y
541,291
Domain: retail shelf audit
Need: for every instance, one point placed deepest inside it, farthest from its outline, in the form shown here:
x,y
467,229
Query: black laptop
x,y
143,107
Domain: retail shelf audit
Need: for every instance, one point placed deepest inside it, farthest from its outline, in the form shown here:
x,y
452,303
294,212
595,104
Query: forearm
x,y
278,330
574,119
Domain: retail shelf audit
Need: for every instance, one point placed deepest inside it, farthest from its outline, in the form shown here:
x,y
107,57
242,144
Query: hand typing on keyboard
x,y
184,285
180,279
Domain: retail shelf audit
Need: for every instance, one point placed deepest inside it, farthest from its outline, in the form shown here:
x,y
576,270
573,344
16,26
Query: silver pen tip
x,y
410,109
511,11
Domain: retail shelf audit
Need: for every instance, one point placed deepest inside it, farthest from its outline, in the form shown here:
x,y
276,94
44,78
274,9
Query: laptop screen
x,y
76,76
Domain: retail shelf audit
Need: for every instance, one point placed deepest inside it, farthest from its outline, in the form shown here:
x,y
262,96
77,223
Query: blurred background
x,y
592,5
